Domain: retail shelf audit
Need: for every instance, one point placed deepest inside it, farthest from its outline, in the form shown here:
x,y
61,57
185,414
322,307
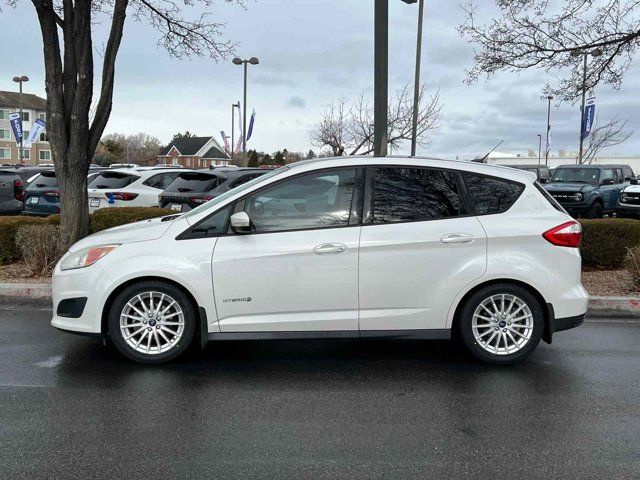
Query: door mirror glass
x,y
240,223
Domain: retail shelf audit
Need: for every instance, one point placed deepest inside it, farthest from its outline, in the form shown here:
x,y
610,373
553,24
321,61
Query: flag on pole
x,y
250,130
16,126
239,144
548,142
34,133
589,114
225,139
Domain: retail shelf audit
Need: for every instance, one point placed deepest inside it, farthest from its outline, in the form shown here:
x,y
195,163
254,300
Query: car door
x,y
419,246
298,269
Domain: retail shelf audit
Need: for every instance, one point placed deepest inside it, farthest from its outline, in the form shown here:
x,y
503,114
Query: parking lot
x,y
318,409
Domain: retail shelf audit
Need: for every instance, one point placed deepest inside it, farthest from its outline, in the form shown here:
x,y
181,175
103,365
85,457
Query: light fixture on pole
x,y
546,146
416,86
20,80
596,52
239,61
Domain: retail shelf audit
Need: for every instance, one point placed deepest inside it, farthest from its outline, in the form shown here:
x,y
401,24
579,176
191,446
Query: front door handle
x,y
458,238
329,249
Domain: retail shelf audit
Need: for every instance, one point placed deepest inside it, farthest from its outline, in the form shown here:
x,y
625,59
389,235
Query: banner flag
x,y
38,126
239,144
250,130
16,126
548,142
589,114
225,139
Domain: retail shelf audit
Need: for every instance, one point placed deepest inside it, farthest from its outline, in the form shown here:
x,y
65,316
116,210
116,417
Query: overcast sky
x,y
311,52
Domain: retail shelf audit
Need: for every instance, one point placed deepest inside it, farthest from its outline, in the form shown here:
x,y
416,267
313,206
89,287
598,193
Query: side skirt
x,y
430,334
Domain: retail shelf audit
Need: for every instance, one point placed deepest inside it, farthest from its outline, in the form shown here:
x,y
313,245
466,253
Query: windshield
x,y
222,198
46,179
576,175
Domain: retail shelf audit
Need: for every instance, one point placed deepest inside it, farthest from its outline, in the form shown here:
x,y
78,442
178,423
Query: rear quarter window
x,y
112,180
194,182
490,195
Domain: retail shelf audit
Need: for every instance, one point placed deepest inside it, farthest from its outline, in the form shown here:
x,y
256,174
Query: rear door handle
x,y
458,238
329,249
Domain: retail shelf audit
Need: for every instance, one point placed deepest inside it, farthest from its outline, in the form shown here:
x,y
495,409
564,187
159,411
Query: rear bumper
x,y
567,323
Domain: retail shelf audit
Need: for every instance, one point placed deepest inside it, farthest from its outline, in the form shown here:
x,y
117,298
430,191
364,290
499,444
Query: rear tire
x,y
501,323
152,322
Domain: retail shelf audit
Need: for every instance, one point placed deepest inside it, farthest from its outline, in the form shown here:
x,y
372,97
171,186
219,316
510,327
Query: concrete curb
x,y
618,307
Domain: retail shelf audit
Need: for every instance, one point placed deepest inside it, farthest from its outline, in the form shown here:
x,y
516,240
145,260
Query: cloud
x,y
296,102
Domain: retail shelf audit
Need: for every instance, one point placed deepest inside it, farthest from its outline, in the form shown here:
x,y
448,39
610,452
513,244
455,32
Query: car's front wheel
x,y
501,323
152,322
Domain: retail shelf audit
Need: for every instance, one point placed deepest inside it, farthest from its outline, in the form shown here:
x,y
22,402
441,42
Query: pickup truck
x,y
589,190
11,193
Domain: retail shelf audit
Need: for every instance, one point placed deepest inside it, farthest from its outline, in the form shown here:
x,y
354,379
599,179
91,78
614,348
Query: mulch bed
x,y
19,273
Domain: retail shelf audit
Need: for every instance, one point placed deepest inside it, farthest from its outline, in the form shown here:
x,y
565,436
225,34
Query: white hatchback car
x,y
129,187
337,248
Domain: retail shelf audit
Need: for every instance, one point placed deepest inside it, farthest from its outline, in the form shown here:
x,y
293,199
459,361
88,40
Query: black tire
x,y
183,302
595,211
481,352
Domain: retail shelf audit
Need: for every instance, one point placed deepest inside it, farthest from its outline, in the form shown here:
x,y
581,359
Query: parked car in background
x,y
373,247
541,171
191,189
11,192
588,190
42,195
129,187
28,174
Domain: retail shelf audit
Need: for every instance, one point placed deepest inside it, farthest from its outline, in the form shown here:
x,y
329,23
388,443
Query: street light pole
x,y
594,53
546,146
238,61
381,77
20,81
416,86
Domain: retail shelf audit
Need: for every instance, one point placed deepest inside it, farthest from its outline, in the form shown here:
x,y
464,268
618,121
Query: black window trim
x,y
238,205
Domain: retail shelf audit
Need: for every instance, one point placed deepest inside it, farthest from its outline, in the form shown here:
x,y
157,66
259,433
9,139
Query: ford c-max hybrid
x,y
350,247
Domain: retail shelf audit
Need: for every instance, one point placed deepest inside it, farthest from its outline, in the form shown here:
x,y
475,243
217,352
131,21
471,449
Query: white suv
x,y
337,248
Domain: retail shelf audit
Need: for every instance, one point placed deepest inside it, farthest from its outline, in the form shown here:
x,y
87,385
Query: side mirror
x,y
607,181
240,223
633,181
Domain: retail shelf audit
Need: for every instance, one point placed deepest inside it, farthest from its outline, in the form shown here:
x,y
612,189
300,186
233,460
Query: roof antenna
x,y
484,159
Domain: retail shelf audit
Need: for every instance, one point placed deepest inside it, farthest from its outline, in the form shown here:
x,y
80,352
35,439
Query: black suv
x,y
191,189
589,190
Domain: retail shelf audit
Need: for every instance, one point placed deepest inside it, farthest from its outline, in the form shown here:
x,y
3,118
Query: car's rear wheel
x,y
501,323
152,322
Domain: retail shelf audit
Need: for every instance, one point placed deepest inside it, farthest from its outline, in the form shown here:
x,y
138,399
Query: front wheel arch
x,y
547,308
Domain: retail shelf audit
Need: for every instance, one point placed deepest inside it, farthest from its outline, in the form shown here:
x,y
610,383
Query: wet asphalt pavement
x,y
70,408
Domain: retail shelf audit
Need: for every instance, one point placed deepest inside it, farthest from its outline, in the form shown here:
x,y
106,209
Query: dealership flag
x,y
225,139
239,144
16,126
587,120
250,130
34,133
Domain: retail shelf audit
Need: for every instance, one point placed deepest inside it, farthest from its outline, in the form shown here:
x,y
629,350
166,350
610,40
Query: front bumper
x,y
91,283
628,209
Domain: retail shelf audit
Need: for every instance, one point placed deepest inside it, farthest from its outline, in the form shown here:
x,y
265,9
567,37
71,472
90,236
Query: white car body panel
x,y
390,277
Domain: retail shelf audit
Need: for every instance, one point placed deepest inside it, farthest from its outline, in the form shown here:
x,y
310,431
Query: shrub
x,y
605,241
39,247
113,217
9,226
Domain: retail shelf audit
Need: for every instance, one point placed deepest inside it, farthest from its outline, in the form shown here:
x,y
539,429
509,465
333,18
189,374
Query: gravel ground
x,y
20,273
614,283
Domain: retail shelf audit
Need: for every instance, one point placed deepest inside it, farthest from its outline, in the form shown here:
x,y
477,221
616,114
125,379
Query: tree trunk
x,y
74,222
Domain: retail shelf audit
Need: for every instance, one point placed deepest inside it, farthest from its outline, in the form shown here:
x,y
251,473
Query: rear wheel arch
x,y
547,309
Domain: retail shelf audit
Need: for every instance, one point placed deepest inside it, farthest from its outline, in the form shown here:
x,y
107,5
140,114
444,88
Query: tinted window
x,y
161,180
491,195
628,173
308,201
576,175
45,180
194,182
112,180
213,225
244,179
414,194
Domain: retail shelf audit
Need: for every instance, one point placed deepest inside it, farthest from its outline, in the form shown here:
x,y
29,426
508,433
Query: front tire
x,y
595,211
501,324
152,322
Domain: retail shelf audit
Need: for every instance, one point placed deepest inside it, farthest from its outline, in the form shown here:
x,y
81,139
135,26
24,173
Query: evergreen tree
x,y
253,159
278,158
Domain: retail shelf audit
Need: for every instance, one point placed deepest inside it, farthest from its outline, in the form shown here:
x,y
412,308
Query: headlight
x,y
85,257
624,197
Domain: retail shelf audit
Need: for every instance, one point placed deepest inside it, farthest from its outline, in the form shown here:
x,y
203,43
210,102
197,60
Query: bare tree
x,y
347,128
609,134
544,34
75,122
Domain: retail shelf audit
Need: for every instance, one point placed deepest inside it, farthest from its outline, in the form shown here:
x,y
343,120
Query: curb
x,y
619,307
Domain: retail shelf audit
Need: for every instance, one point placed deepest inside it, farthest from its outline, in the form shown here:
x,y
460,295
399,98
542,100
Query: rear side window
x,y
628,173
45,180
194,182
112,180
161,180
491,195
414,194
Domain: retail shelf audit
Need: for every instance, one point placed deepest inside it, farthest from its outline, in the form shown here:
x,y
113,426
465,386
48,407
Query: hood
x,y
132,232
568,187
631,189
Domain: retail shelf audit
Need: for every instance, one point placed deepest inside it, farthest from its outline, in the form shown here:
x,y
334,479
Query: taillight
x,y
203,199
568,234
126,196
51,193
18,190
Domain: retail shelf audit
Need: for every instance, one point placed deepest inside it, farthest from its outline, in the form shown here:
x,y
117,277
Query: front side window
x,y
409,194
491,195
318,200
608,174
